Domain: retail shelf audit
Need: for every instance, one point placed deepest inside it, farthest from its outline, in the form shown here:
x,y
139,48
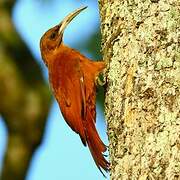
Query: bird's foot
x,y
99,81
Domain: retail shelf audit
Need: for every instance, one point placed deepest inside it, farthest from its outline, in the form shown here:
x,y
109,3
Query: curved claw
x,y
99,81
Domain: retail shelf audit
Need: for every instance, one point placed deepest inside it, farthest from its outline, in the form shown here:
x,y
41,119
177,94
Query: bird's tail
x,y
95,144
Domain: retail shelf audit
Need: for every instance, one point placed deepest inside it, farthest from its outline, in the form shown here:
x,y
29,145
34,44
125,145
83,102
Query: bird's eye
x,y
53,35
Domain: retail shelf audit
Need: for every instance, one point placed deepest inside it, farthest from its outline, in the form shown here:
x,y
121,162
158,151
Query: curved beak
x,y
68,19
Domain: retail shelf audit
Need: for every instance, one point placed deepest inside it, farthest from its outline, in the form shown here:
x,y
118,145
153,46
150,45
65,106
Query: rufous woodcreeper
x,y
73,80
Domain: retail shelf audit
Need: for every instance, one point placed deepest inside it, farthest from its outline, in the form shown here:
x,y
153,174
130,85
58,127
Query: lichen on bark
x,y
141,46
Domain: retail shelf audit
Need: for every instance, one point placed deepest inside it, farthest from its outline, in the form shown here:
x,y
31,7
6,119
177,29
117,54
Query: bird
x,y
73,79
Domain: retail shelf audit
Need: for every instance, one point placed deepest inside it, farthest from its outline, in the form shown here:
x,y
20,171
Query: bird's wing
x,y
68,86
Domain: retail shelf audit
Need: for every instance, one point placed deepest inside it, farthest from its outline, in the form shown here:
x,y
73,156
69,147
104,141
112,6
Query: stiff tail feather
x,y
96,146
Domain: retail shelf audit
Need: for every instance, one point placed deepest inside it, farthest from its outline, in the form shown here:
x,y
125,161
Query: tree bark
x,y
141,46
24,98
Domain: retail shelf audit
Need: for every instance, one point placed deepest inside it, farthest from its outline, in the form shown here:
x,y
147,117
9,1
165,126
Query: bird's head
x,y
52,39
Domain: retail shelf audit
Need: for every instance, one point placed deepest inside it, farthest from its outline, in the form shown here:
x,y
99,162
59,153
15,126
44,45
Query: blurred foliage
x,y
25,98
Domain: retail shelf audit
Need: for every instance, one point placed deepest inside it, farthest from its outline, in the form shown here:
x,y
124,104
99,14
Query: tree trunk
x,y
141,45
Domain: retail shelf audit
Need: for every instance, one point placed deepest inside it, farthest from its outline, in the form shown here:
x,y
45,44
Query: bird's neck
x,y
56,54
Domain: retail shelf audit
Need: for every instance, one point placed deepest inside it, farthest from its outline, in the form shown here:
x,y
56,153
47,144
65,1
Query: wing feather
x,y
68,87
